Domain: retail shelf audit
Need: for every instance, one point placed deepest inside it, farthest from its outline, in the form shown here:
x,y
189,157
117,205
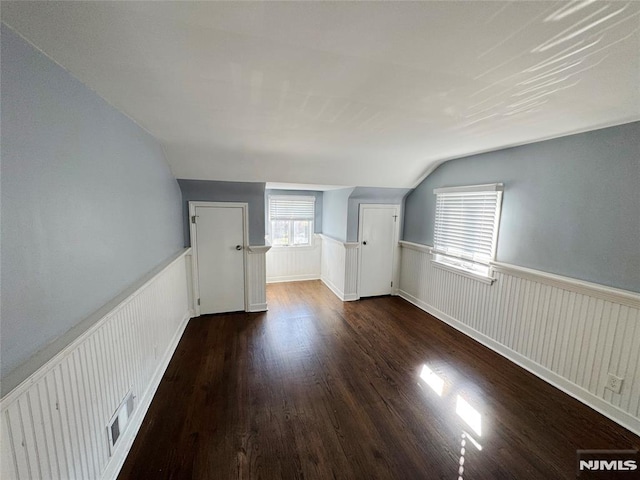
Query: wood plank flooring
x,y
316,388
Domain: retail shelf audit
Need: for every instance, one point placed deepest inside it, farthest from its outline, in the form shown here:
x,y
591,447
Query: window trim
x,y
305,198
489,279
487,187
497,188
311,243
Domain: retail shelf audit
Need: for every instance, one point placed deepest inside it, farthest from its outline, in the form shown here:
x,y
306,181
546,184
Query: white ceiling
x,y
302,186
345,93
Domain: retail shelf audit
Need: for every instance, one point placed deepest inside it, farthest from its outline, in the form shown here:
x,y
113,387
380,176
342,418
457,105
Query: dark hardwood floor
x,y
317,388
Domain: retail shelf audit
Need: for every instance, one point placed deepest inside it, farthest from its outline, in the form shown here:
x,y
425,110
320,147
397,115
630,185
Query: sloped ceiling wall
x,y
345,93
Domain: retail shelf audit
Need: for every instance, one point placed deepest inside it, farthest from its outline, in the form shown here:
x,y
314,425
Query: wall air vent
x,y
119,420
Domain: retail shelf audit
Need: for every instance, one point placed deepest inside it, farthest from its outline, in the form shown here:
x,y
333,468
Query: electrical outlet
x,y
614,383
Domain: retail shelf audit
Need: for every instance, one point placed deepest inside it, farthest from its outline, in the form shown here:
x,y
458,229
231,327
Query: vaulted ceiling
x,y
345,93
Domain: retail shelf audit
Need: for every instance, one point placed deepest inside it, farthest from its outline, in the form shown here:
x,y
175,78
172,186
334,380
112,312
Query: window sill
x,y
464,272
293,247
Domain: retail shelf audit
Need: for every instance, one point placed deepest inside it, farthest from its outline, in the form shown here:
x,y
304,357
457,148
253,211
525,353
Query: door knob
x,y
364,243
238,247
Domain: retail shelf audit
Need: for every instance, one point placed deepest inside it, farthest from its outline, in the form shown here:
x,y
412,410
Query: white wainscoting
x,y
291,264
568,332
339,267
257,278
351,271
54,424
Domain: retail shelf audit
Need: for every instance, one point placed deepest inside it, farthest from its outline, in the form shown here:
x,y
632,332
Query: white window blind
x,y
291,208
291,220
466,225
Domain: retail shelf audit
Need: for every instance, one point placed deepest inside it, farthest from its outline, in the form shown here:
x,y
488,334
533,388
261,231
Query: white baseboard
x,y
293,278
258,307
577,392
333,288
350,297
126,442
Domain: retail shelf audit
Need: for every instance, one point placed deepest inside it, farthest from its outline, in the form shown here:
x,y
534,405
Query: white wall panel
x,y
257,278
566,331
290,264
54,423
339,267
333,265
351,271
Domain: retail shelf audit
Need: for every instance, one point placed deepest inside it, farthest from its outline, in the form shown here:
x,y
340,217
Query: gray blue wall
x,y
391,196
335,205
317,221
341,208
216,191
571,205
89,205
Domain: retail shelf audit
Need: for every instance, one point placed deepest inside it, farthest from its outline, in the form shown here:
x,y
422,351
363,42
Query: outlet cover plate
x,y
614,383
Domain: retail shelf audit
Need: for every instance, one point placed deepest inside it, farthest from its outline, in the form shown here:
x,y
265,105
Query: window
x,y
291,220
466,226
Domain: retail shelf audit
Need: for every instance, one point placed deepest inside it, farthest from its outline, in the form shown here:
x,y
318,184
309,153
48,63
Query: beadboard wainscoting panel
x,y
568,332
54,424
339,267
351,271
257,278
332,269
291,264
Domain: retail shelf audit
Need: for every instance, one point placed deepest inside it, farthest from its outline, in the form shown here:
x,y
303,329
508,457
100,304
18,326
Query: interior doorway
x,y
378,232
219,241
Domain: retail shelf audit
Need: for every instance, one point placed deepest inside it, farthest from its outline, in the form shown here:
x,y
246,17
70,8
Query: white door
x,y
377,235
219,244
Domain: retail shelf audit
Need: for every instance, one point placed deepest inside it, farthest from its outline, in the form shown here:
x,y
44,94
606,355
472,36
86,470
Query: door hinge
x,y
193,218
392,284
198,301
